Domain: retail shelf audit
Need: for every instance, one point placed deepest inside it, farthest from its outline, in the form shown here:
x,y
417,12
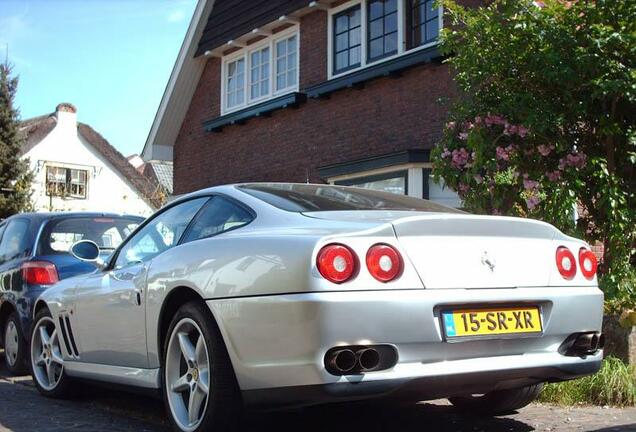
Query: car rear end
x,y
421,306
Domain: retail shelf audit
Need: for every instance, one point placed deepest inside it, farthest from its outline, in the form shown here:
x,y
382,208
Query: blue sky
x,y
110,58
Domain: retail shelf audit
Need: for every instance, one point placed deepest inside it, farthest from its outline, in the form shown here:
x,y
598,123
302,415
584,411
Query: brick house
x,y
344,92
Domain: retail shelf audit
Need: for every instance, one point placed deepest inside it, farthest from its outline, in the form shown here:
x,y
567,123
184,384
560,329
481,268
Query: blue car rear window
x,y
108,232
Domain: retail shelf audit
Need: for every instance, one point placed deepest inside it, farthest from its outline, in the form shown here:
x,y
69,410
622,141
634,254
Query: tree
x,y
15,176
547,119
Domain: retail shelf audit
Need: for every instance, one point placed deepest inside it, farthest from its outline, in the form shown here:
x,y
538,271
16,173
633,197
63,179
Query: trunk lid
x,y
467,251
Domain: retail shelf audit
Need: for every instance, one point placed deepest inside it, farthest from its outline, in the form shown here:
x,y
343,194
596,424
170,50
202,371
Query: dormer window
x,y
263,70
365,32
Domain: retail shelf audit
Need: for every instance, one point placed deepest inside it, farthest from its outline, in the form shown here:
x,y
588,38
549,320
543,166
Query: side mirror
x,y
88,251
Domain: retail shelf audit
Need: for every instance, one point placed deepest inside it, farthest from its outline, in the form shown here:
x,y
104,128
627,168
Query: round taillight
x,y
588,263
566,263
384,262
336,263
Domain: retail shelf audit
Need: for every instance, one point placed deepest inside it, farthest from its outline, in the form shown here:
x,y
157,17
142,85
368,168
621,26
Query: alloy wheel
x,y
187,372
46,357
11,343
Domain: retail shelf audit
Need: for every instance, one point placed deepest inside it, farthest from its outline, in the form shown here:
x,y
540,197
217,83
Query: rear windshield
x,y
308,198
107,232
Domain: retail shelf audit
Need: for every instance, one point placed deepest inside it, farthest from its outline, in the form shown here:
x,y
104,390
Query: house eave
x,y
180,87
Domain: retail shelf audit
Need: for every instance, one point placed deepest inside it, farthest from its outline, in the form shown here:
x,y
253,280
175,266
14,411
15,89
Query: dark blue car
x,y
34,254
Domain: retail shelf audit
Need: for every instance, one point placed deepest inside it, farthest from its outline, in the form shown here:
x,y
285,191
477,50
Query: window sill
x,y
263,109
382,69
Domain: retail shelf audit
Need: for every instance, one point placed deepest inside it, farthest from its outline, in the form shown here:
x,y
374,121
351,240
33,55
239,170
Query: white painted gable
x,y
106,189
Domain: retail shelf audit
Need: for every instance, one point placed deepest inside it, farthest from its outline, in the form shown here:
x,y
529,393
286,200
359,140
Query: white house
x,y
76,169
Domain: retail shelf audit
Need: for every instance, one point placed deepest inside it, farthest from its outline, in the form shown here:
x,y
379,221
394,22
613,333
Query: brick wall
x,y
387,115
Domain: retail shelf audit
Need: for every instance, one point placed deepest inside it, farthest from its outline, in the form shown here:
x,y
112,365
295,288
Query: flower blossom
x,y
532,202
446,153
530,184
522,131
504,153
553,175
494,120
576,160
460,158
545,150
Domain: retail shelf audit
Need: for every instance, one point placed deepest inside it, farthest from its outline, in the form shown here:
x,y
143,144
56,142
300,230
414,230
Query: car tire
x,y
498,402
194,359
15,346
45,362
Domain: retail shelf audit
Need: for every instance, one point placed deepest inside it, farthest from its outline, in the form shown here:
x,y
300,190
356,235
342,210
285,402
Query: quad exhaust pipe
x,y
355,360
581,344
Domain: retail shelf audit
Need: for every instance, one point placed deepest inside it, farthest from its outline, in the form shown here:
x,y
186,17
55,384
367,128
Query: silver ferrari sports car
x,y
279,295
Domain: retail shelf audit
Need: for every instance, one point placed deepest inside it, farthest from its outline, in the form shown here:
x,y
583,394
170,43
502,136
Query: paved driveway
x,y
101,410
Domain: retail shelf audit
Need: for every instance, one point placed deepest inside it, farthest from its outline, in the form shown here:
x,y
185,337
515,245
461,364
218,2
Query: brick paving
x,y
22,409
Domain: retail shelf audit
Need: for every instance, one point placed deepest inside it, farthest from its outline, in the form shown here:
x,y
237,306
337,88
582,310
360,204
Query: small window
x,y
235,84
160,234
66,182
423,22
395,182
14,242
382,28
286,63
259,70
347,39
218,216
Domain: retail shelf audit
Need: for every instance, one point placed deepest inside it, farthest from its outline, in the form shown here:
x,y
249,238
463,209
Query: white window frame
x,y
225,80
68,181
402,28
245,53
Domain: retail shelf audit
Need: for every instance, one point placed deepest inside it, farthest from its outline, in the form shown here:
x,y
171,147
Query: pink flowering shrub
x,y
497,165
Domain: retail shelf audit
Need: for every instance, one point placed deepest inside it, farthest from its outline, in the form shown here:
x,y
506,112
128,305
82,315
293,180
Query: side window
x,y
162,233
218,215
14,241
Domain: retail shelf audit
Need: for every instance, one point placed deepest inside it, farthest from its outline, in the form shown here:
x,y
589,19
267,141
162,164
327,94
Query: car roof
x,y
56,215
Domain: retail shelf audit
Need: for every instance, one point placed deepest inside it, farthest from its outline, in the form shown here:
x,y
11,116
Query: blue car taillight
x,y
40,273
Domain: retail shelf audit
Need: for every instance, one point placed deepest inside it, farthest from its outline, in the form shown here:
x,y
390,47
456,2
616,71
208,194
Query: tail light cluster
x,y
338,263
39,273
566,263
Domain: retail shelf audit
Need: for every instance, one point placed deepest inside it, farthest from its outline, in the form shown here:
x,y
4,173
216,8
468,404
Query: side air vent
x,y
67,335
70,334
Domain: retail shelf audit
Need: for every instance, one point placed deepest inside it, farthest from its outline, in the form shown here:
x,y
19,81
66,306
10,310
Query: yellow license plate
x,y
492,321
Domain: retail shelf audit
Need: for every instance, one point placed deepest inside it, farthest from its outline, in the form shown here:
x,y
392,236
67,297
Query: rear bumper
x,y
277,343
417,389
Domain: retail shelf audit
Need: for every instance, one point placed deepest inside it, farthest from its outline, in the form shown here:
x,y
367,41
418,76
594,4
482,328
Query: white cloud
x,y
176,16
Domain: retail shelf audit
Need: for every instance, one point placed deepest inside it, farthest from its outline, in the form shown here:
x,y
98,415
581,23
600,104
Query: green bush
x,y
614,384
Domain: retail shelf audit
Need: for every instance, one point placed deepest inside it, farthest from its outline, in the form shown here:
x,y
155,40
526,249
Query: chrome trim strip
x,y
144,378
